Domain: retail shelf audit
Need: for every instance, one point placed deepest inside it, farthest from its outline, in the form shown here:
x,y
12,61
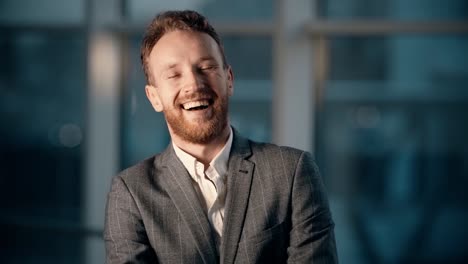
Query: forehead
x,y
181,46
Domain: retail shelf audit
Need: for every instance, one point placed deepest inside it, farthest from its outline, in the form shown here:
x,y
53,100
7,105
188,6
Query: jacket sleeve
x,y
125,236
311,237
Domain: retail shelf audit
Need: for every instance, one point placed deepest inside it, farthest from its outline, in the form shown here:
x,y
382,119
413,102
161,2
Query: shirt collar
x,y
219,162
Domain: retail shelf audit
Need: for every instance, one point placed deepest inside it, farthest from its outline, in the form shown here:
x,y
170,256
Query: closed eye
x,y
172,76
208,67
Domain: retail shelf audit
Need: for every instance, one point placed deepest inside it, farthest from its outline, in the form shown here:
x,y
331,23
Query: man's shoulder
x,y
271,147
142,170
273,151
279,162
139,168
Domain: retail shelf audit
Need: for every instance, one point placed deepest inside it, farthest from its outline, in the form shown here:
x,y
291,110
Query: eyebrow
x,y
173,65
208,58
169,66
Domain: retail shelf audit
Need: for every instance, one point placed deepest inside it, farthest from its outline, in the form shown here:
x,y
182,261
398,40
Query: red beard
x,y
207,128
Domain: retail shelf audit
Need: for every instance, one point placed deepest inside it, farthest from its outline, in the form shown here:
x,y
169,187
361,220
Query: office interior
x,y
376,90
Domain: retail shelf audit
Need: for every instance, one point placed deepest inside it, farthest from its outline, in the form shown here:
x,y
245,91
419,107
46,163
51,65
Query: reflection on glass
x,y
392,144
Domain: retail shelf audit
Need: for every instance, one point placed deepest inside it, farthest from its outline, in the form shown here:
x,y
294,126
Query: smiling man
x,y
212,196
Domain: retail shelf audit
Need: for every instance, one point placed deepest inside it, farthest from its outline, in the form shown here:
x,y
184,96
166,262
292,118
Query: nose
x,y
193,81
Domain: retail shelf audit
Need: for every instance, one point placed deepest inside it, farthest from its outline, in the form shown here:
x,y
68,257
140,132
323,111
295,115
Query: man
x,y
212,196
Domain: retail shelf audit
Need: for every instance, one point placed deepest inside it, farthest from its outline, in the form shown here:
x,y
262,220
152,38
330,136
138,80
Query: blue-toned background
x,y
386,118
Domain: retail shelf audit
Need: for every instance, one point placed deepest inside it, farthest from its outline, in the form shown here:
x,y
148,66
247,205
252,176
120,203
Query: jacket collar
x,y
239,181
239,178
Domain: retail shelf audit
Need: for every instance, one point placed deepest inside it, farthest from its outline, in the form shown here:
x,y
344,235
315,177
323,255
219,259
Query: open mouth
x,y
197,105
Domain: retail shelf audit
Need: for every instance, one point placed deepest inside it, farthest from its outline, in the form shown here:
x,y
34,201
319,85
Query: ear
x,y
230,81
153,97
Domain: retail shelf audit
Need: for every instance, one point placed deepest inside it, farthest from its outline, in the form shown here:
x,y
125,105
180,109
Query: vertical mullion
x,y
293,103
103,128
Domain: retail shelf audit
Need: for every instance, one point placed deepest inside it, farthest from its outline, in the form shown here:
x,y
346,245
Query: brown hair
x,y
169,21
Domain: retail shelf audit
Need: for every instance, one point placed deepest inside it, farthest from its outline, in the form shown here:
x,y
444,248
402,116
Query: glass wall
x,y
41,12
42,102
391,138
415,10
141,11
389,133
144,132
42,116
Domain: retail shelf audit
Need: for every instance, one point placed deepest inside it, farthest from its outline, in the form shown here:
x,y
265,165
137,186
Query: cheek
x,y
168,92
220,83
172,100
169,100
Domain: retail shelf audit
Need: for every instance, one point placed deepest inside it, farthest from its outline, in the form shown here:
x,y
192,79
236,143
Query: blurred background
x,y
377,90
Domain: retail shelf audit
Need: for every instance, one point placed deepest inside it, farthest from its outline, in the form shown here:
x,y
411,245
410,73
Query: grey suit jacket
x,y
276,211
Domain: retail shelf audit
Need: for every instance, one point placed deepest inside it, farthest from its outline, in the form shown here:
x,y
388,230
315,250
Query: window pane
x,y
42,11
250,107
140,11
145,132
394,9
392,144
42,99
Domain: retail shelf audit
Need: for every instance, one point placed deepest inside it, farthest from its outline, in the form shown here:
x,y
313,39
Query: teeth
x,y
194,104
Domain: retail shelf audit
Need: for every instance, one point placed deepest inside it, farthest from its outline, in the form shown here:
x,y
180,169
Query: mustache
x,y
202,94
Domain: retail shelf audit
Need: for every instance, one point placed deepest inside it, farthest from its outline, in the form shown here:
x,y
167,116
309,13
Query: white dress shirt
x,y
209,183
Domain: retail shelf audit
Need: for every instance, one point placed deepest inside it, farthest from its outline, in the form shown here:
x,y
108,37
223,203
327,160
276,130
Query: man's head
x,y
188,78
171,21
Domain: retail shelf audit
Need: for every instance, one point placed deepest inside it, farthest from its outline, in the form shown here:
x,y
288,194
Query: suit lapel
x,y
239,180
180,189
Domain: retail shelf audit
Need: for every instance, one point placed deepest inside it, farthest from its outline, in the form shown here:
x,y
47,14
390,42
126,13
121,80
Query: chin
x,y
203,133
201,129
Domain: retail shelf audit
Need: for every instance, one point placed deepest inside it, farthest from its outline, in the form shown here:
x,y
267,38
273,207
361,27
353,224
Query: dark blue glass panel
x,y
392,145
42,108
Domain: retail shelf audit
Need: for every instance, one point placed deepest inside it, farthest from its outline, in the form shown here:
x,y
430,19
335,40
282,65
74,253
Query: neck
x,y
203,152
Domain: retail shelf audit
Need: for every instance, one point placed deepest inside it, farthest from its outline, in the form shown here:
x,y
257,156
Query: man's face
x,y
190,85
